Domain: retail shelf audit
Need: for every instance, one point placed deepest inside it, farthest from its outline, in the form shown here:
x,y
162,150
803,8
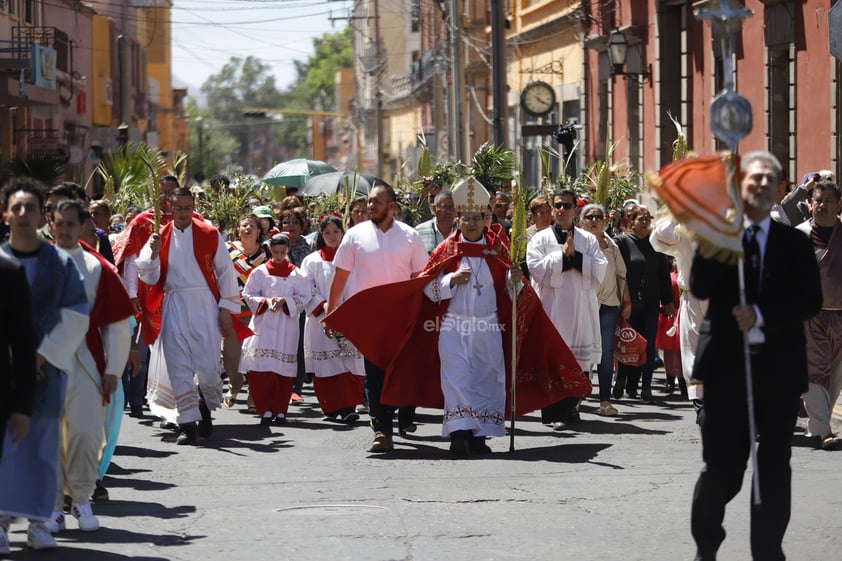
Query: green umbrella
x,y
295,173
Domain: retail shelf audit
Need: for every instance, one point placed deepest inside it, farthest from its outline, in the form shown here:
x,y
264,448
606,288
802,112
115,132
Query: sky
x,y
207,33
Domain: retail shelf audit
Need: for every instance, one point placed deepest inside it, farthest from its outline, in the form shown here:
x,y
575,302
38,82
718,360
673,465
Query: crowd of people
x,y
132,311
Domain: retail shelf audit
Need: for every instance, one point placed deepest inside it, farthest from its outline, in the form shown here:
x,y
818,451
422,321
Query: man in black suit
x,y
17,352
782,290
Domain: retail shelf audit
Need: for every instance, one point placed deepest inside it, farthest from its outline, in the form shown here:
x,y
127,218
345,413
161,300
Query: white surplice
x,y
569,297
670,238
189,342
323,356
473,372
274,345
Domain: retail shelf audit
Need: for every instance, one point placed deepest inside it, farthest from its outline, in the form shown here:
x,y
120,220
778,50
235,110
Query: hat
x,y
820,175
278,239
264,211
469,195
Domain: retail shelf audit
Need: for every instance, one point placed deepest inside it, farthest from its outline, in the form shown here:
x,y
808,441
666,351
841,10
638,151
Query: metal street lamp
x,y
200,173
618,50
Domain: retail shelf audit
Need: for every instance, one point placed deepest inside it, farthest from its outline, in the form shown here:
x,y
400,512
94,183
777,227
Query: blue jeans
x,y
607,323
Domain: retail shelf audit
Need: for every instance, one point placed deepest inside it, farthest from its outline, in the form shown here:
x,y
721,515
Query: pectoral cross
x,y
478,288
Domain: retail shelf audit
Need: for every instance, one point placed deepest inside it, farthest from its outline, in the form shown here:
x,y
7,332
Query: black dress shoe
x,y
166,425
206,424
460,443
136,411
617,392
412,427
186,434
478,446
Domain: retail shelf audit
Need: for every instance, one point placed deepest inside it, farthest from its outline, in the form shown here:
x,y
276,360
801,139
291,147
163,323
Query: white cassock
x,y
274,345
83,415
189,342
670,238
569,297
473,372
322,355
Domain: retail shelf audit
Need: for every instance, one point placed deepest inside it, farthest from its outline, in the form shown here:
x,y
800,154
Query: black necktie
x,y
752,263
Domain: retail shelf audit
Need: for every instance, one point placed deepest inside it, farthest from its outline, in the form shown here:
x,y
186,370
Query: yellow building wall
x,y
156,34
101,110
404,125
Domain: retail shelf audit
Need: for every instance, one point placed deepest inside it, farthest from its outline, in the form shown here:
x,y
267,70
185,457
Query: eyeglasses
x,y
291,223
565,206
595,217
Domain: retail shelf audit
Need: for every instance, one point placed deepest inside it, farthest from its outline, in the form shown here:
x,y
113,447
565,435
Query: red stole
x,y
404,341
328,253
282,269
205,242
111,305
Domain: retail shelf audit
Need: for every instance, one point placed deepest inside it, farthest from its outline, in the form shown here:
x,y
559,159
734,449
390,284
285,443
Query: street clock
x,y
537,98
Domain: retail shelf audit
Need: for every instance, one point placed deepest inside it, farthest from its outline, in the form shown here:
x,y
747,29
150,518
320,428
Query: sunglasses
x,y
565,206
595,217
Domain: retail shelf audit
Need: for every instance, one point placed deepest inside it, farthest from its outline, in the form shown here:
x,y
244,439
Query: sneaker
x,y
381,443
5,548
38,537
83,514
56,522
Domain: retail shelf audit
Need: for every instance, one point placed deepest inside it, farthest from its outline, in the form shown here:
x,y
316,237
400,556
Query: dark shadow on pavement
x,y
79,554
121,450
139,484
562,453
804,441
123,509
234,438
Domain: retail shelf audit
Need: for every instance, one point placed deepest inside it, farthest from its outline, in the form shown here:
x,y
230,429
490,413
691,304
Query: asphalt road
x,y
613,489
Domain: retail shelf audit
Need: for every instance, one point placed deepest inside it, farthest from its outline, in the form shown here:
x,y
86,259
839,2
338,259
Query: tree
x,y
240,84
248,83
212,153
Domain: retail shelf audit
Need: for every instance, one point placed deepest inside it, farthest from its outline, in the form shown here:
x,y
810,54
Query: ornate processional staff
x,y
692,187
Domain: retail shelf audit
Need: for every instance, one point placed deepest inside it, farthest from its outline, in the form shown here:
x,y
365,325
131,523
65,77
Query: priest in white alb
x,y
194,288
567,267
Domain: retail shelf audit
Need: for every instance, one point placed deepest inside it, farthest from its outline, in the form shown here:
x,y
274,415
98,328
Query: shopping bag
x,y
629,345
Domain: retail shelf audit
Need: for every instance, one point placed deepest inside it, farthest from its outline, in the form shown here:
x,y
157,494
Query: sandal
x,y
230,400
607,410
828,441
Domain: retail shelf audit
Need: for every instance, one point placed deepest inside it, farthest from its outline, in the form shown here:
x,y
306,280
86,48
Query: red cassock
x,y
403,339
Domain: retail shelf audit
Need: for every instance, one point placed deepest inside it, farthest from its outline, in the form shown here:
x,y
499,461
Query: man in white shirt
x,y
380,251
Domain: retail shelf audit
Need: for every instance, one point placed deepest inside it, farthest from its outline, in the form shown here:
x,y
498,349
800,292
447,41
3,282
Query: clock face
x,y
538,98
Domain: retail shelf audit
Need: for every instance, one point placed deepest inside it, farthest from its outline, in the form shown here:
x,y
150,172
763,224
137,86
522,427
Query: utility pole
x,y
498,72
457,145
124,46
378,95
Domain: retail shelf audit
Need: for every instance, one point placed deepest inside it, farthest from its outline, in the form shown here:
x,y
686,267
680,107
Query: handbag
x,y
629,345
